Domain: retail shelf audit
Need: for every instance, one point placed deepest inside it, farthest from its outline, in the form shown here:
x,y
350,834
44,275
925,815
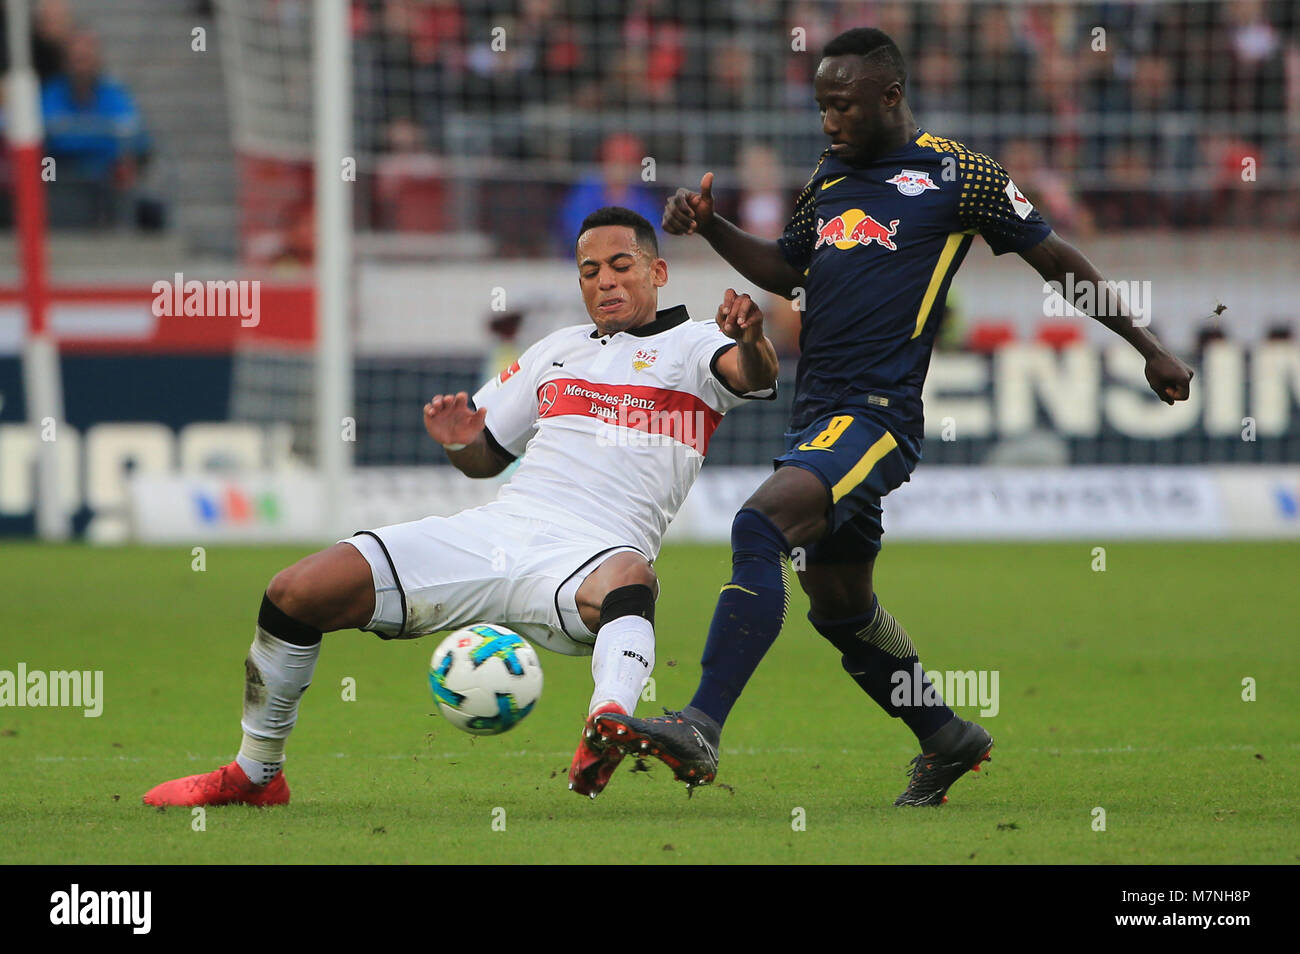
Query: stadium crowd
x,y
1175,113
93,128
1113,115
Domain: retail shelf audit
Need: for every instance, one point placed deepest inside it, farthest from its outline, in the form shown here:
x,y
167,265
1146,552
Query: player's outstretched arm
x,y
752,365
1056,259
462,434
759,260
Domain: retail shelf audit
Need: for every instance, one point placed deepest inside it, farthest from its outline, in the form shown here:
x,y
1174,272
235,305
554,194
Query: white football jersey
x,y
612,430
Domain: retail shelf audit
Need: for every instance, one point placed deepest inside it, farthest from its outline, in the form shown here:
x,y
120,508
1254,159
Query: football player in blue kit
x,y
875,239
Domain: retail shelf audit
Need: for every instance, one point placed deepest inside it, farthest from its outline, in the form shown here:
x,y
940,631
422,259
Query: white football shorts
x,y
486,565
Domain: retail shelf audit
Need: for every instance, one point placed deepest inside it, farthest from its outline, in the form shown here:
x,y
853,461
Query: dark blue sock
x,y
751,610
880,657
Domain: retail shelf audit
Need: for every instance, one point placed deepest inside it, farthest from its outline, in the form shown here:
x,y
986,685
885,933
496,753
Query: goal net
x,y
481,133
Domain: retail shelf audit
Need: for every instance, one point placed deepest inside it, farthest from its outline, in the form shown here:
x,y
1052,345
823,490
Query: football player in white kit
x,y
612,423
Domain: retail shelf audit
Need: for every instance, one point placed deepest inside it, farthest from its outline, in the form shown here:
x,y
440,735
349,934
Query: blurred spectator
x,y
895,19
764,205
436,29
618,183
1133,126
946,25
94,133
1129,199
1166,128
935,88
1049,190
622,86
553,49
1258,77
730,75
641,66
763,211
816,29
1001,67
1152,84
501,68
1237,196
52,29
650,26
409,191
409,57
1104,91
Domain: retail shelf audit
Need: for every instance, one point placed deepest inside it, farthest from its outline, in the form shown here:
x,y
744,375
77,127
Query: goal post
x,y
42,384
335,420
289,76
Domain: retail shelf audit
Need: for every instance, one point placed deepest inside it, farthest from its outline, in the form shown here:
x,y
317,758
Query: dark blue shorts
x,y
860,460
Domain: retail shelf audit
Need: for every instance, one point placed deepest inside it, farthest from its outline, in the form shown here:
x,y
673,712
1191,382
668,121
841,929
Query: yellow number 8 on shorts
x,y
823,441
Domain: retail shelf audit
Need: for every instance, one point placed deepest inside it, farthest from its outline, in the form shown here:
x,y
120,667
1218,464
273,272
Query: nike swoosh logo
x,y
830,182
557,364
736,586
809,447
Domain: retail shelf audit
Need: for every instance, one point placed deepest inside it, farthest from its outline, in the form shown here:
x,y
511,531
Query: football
x,y
485,679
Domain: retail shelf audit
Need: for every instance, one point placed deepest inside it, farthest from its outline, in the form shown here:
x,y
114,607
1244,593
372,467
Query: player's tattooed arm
x,y
1057,260
759,260
752,366
463,435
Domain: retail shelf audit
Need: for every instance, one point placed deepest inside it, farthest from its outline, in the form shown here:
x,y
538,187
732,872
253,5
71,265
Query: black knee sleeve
x,y
635,600
283,626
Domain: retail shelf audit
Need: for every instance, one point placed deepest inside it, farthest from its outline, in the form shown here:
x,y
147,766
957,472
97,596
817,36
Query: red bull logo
x,y
855,227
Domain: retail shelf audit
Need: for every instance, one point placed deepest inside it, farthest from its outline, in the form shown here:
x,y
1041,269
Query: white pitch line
x,y
1108,750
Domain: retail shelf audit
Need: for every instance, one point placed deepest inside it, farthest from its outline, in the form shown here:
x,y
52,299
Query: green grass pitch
x,y
1120,690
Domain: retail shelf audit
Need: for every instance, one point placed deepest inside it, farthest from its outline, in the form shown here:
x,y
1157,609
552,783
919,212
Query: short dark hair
x,y
871,44
617,215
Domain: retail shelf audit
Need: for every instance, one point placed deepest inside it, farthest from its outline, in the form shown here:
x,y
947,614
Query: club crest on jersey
x,y
644,358
854,227
505,375
911,182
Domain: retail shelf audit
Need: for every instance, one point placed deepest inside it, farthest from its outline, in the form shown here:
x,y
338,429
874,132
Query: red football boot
x,y
227,785
595,761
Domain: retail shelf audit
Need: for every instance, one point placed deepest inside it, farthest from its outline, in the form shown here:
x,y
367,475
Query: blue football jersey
x,y
879,245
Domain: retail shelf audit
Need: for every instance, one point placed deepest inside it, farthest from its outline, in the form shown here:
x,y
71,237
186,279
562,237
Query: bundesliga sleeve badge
x,y
1018,201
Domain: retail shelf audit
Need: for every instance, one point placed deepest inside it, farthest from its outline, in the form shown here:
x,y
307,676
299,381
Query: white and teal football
x,y
485,678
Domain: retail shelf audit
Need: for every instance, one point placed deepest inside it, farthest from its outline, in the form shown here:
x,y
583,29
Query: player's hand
x,y
689,212
1169,377
739,317
449,420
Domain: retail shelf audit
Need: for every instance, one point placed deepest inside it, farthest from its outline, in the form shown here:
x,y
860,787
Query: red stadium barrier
x,y
1060,334
989,336
121,319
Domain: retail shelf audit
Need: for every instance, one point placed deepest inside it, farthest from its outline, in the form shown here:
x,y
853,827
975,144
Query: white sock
x,y
276,674
621,662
